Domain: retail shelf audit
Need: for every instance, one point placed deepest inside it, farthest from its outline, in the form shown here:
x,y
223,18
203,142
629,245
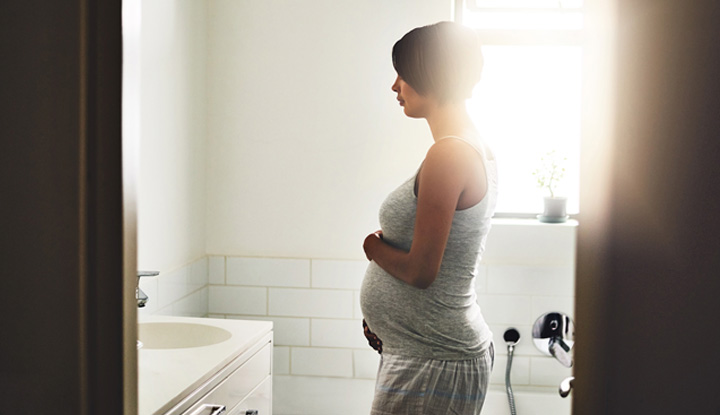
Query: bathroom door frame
x,y
647,263
68,233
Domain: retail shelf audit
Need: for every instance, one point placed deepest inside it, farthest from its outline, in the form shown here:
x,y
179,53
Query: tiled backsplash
x,y
528,269
180,292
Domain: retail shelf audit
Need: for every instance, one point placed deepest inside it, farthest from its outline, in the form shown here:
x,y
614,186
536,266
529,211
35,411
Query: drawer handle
x,y
215,409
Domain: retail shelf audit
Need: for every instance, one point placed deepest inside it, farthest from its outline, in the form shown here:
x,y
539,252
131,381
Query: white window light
x,y
528,102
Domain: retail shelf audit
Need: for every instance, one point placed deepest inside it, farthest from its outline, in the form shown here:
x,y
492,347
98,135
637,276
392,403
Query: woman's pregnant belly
x,y
409,319
382,302
393,310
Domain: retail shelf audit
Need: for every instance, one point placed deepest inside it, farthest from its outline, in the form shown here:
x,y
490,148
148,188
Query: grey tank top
x,y
443,321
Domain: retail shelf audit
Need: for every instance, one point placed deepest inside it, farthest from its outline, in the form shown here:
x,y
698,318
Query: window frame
x,y
529,37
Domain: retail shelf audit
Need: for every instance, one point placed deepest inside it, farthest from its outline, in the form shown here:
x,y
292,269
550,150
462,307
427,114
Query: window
x,y
528,102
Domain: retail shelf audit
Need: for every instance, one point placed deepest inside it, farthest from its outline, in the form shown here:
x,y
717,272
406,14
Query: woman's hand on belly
x,y
377,235
372,339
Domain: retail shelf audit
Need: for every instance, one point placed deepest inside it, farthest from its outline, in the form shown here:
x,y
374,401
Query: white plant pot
x,y
555,210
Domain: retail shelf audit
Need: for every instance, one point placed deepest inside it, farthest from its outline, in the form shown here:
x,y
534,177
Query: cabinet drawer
x,y
260,400
239,384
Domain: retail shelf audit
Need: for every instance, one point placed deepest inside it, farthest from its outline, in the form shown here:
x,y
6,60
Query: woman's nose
x,y
395,86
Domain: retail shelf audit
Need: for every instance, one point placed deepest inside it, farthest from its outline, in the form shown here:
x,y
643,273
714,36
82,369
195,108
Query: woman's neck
x,y
449,119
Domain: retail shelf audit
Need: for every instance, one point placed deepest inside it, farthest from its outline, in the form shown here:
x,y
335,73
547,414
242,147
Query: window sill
x,y
531,222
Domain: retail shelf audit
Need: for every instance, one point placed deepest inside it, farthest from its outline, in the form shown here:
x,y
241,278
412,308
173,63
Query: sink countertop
x,y
166,376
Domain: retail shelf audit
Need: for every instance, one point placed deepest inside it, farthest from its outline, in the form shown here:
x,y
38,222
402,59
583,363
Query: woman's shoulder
x,y
471,143
447,151
454,149
451,160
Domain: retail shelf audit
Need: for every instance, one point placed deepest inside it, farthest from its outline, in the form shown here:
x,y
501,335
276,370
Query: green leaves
x,y
550,171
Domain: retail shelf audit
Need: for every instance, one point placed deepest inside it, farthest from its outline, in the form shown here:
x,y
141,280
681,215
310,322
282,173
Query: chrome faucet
x,y
554,335
139,293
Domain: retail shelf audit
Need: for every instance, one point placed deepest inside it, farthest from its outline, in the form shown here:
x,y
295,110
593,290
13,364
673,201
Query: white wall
x,y
305,137
171,185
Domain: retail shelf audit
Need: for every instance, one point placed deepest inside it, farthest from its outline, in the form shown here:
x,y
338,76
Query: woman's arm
x,y
445,174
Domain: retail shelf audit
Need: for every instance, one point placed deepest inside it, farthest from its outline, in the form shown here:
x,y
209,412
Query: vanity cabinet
x,y
260,400
196,366
247,388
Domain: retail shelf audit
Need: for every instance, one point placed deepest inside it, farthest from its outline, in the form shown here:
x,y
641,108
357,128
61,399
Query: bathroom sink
x,y
186,358
171,335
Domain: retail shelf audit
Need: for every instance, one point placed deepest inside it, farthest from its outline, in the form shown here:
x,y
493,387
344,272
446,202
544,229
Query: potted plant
x,y
548,174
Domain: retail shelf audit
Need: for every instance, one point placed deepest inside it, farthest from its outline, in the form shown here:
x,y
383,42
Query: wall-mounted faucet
x,y
139,294
554,335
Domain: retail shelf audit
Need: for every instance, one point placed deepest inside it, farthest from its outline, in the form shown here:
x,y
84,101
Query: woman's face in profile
x,y
414,104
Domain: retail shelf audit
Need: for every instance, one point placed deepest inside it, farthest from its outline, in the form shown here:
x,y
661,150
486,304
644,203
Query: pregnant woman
x,y
418,297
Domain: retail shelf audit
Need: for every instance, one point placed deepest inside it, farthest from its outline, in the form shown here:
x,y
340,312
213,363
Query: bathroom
x,y
263,126
254,249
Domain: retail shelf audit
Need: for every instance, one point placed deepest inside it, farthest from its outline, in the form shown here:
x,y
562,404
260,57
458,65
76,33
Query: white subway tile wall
x,y
337,333
528,270
342,275
366,363
281,360
268,272
179,292
310,303
314,303
321,361
216,270
316,395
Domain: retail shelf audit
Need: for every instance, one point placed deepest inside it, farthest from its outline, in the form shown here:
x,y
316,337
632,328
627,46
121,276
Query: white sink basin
x,y
170,335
